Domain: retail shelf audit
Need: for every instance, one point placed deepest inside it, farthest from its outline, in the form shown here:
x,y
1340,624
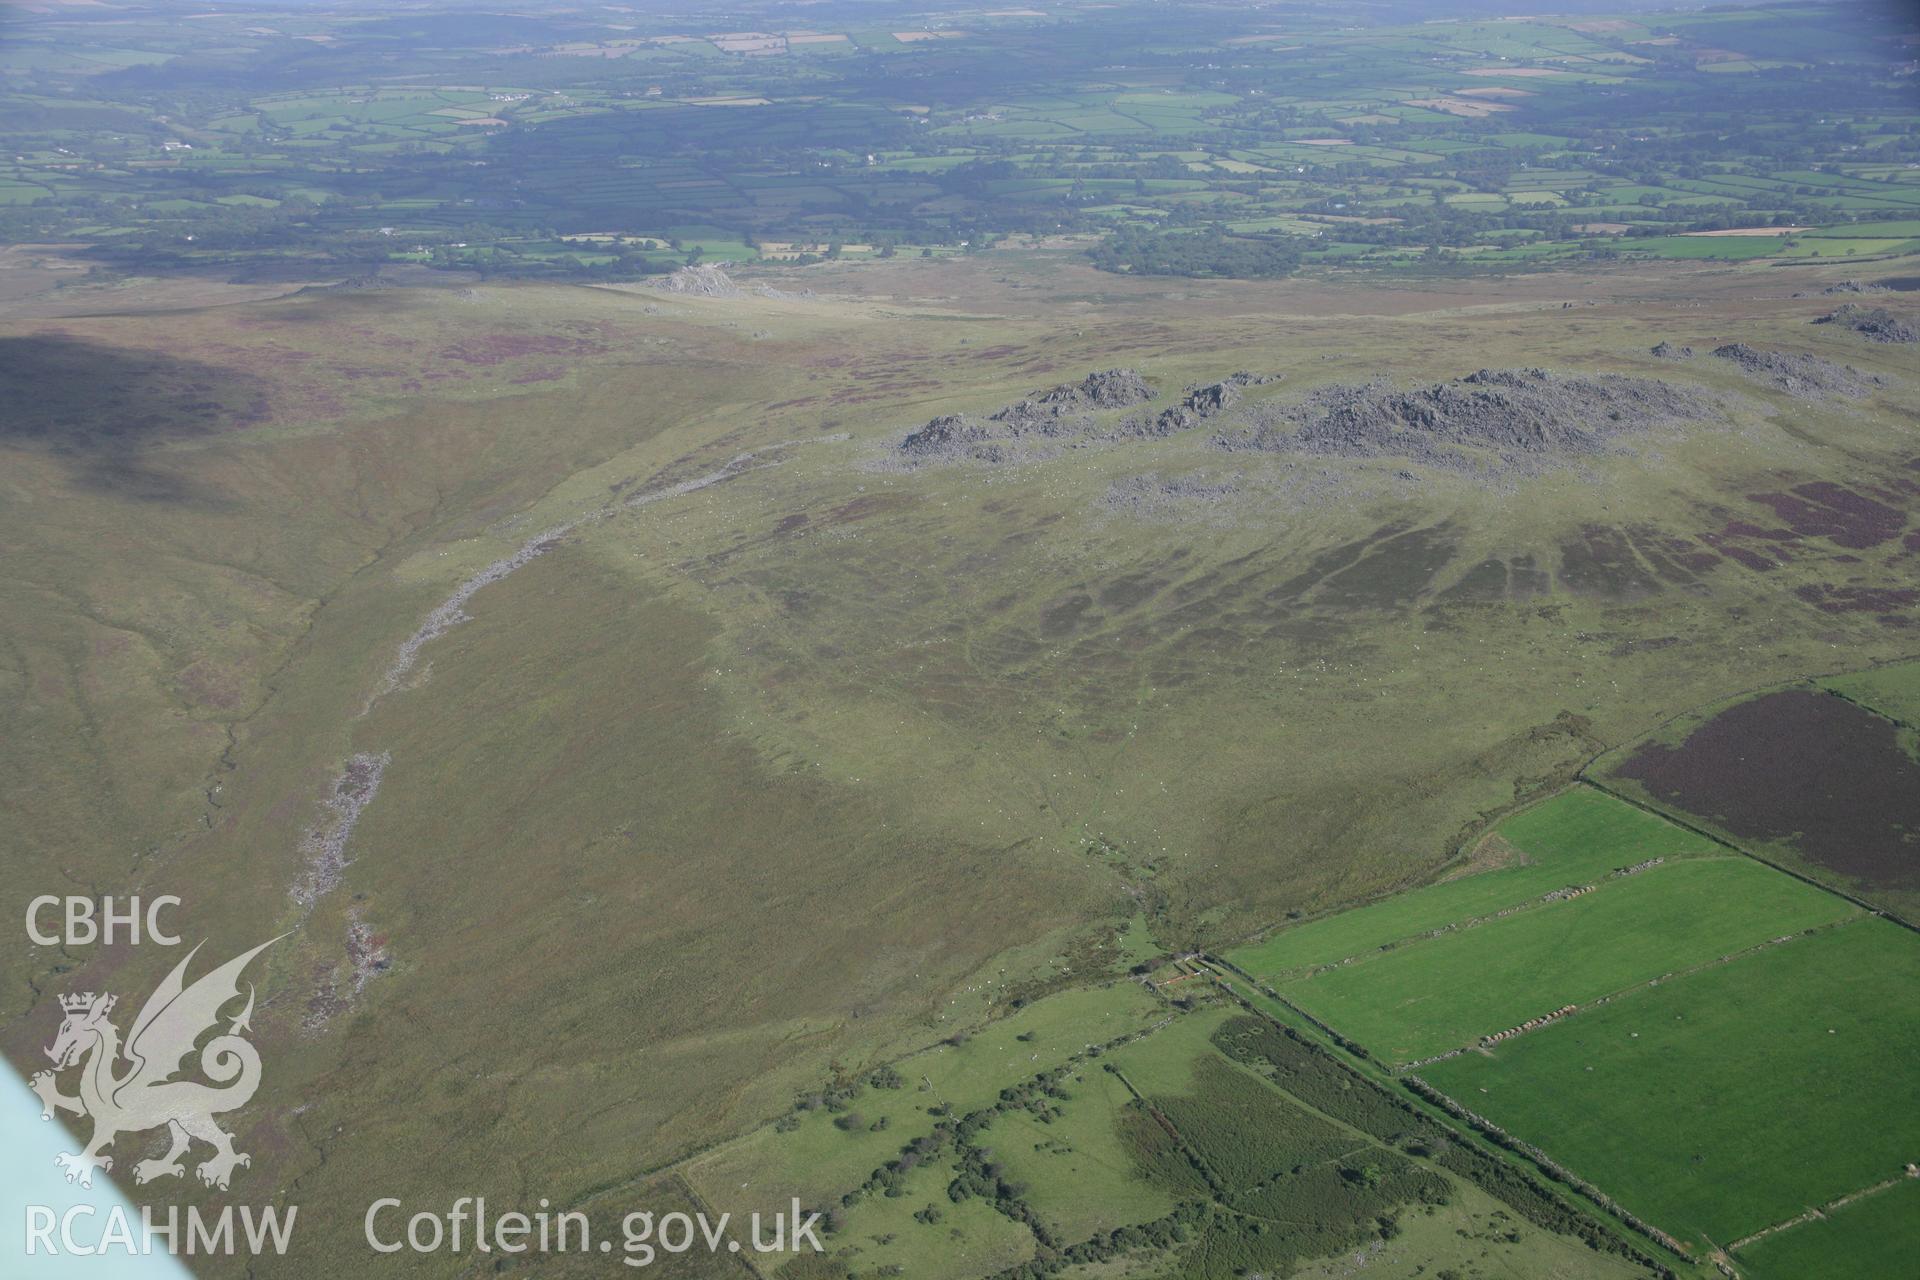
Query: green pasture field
x,y
1730,1099
1164,1063
1573,838
1873,1238
1475,1236
1838,247
1907,229
1736,248
1443,993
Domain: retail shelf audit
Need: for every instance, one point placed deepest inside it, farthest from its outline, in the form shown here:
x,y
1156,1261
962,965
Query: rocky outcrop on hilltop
x,y
1069,409
1492,417
706,280
1844,286
1077,414
1485,423
948,431
1876,324
1807,377
1197,405
1108,389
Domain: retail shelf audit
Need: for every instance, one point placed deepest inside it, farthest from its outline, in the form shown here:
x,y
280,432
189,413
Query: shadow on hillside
x,y
81,397
100,406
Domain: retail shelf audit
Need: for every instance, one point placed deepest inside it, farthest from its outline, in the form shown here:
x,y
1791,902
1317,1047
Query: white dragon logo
x,y
146,1096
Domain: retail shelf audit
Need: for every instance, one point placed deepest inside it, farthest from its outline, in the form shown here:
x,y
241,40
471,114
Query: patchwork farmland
x,y
1099,1126
1613,1044
1716,1050
1400,145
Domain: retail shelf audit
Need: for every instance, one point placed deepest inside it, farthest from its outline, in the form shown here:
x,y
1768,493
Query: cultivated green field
x,y
1443,993
1574,838
1164,1065
1733,1098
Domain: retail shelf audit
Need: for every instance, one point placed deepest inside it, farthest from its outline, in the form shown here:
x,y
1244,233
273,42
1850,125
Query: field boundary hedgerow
x,y
1818,1211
